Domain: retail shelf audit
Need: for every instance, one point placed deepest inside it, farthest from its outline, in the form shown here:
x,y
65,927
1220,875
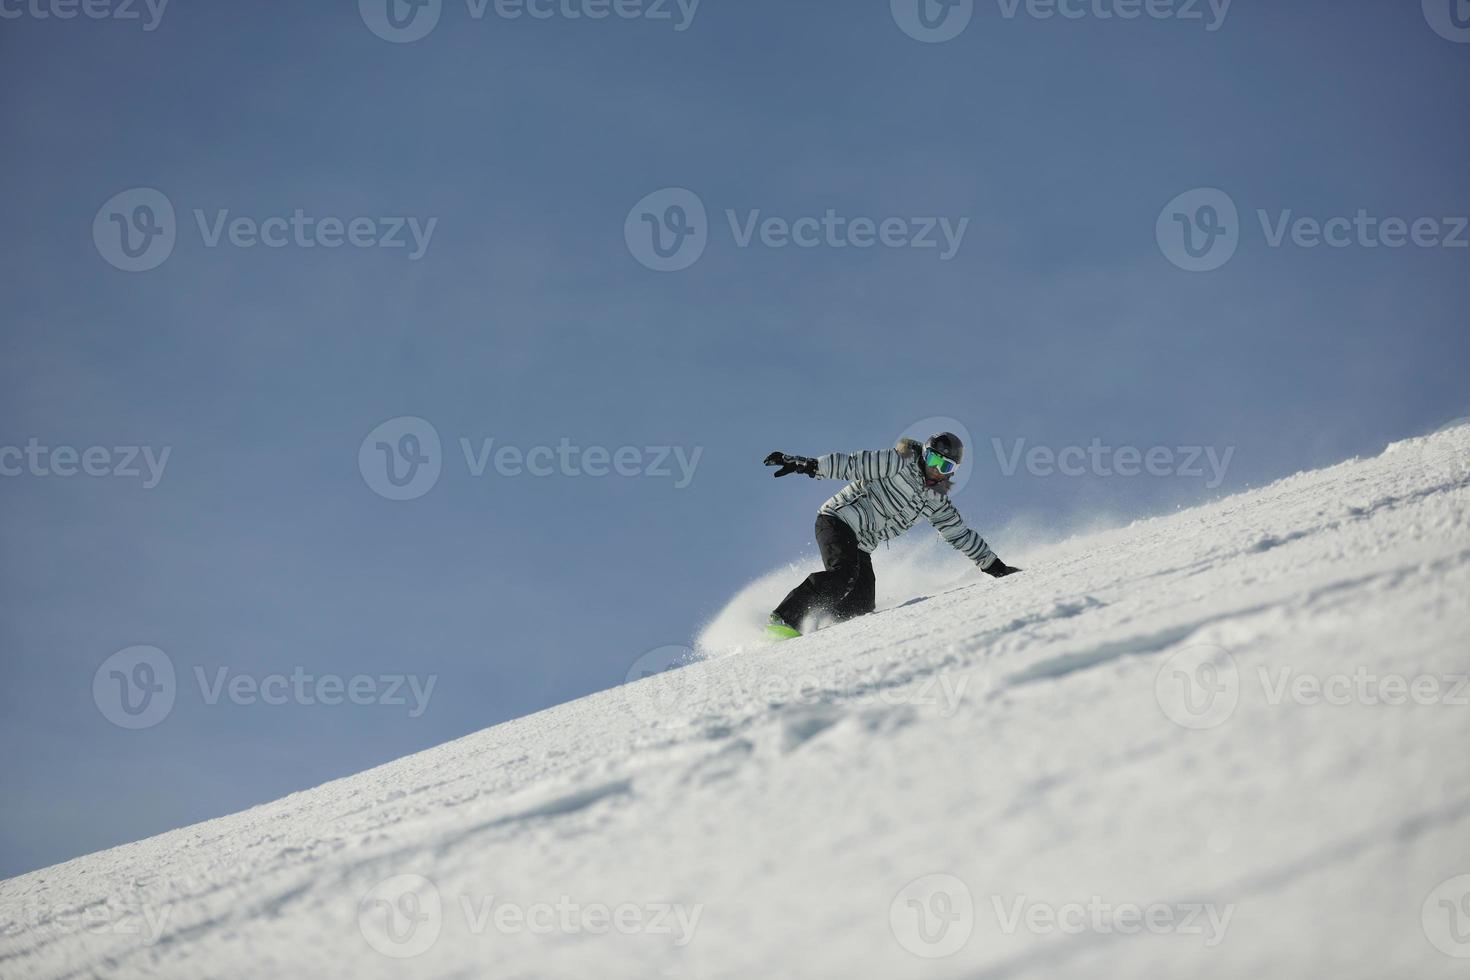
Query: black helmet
x,y
946,444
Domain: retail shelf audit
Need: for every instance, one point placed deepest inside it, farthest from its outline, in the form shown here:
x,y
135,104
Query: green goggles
x,y
943,464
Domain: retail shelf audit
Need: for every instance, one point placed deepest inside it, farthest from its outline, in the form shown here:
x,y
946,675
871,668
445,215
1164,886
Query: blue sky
x,y
1059,320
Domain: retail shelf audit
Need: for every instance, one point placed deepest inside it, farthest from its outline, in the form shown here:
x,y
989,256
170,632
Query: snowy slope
x,y
1113,765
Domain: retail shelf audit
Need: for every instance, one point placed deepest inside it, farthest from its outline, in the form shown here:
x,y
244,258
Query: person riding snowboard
x,y
888,493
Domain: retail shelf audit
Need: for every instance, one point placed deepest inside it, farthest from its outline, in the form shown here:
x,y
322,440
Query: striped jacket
x,y
887,496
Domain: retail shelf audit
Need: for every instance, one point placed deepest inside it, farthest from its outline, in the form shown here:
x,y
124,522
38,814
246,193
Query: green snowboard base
x,y
781,631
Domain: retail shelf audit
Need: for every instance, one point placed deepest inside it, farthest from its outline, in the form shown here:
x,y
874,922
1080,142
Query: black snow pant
x,y
845,589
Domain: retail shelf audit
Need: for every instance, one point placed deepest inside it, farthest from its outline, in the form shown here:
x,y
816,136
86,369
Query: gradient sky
x,y
528,320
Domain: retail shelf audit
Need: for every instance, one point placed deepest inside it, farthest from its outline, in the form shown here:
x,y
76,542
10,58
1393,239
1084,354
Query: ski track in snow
x,y
1004,732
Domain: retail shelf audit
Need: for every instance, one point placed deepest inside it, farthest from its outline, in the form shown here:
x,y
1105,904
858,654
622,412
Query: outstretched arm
x,y
951,527
870,464
867,465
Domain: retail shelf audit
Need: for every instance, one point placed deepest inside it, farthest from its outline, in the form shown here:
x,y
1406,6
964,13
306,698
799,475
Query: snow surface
x,y
1104,741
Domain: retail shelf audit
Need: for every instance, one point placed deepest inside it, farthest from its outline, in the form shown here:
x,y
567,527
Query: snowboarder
x,y
889,492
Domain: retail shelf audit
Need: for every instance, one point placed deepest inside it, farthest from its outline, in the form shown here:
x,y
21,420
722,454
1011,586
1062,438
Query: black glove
x,y
792,464
1000,569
